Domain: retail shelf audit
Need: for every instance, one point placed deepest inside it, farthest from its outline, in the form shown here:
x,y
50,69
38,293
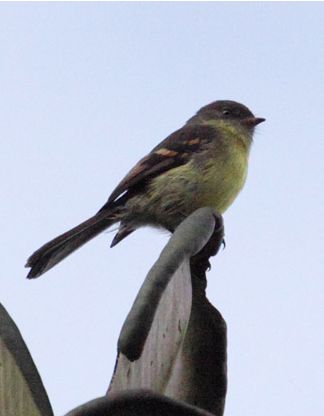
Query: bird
x,y
204,163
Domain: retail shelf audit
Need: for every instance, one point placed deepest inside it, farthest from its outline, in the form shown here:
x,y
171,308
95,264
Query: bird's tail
x,y
62,246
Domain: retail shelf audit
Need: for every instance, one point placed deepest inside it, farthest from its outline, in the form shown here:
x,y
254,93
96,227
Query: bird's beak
x,y
253,121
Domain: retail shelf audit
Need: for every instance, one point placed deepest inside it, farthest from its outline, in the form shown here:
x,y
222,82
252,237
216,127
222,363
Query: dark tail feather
x,y
60,247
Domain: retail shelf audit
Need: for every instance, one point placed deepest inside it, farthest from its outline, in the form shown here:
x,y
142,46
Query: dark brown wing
x,y
174,151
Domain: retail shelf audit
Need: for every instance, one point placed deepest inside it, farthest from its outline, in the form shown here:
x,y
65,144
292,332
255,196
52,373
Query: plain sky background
x,y
86,89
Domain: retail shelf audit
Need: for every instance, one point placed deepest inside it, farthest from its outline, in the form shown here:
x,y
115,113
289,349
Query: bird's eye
x,y
226,112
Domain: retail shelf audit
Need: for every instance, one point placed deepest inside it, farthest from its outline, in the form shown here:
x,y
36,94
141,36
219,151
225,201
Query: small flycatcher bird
x,y
204,163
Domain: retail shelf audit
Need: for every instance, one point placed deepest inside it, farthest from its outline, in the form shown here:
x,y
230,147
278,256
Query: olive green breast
x,y
222,177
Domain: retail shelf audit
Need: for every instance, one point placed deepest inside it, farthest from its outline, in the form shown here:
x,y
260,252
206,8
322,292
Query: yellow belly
x,y
222,181
180,191
211,179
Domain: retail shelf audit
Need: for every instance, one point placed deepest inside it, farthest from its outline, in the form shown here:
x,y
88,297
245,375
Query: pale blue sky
x,y
86,89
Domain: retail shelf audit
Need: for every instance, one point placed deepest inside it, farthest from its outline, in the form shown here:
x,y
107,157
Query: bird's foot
x,y
200,262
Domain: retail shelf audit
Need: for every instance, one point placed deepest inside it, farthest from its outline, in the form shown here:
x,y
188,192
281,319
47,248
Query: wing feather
x,y
177,149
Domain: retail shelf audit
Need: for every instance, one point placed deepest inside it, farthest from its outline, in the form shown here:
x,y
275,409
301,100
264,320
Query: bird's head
x,y
230,111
